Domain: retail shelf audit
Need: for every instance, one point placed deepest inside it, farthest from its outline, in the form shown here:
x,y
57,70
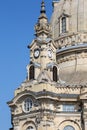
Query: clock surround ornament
x,y
36,53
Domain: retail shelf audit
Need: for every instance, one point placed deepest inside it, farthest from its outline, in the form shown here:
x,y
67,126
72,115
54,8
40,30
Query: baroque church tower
x,y
54,95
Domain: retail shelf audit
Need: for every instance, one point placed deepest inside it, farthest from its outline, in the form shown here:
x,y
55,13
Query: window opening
x,y
30,128
68,128
68,108
31,72
27,105
63,24
55,73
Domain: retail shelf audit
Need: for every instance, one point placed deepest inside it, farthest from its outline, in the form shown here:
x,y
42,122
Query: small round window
x,y
27,105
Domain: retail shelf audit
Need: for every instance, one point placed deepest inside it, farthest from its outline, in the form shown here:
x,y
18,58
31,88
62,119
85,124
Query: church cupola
x,y
43,7
42,28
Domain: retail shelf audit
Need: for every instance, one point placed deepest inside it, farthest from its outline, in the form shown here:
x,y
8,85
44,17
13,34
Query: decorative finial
x,y
43,7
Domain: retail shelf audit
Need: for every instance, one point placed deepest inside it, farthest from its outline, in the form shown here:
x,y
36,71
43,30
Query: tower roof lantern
x,y
42,28
43,11
43,7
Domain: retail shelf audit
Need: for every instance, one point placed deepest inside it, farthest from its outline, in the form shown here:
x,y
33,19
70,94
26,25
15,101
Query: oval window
x,y
30,128
68,128
27,105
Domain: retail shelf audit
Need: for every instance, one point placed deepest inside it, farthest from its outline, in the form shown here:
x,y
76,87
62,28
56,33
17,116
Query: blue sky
x,y
17,20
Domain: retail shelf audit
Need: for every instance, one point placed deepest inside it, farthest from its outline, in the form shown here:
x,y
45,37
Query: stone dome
x,y
71,43
75,10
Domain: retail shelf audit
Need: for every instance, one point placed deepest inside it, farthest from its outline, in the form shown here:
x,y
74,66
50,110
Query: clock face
x,y
49,53
36,53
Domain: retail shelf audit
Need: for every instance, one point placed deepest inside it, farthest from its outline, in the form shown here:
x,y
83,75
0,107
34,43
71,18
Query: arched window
x,y
27,105
31,72
63,24
68,127
55,73
30,128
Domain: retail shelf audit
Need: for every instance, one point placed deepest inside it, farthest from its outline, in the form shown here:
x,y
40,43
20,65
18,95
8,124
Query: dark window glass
x,y
63,24
31,72
55,73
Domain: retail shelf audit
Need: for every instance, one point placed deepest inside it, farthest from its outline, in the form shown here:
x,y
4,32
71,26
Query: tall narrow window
x,y
55,73
63,24
31,72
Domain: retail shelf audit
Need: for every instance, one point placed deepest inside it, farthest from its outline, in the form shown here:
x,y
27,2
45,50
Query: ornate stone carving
x,y
70,40
16,122
50,117
38,119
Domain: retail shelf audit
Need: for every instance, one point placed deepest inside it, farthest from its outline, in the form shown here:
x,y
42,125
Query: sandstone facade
x,y
54,94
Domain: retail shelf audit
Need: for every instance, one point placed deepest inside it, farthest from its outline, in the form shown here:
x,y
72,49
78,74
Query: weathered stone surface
x,y
55,104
